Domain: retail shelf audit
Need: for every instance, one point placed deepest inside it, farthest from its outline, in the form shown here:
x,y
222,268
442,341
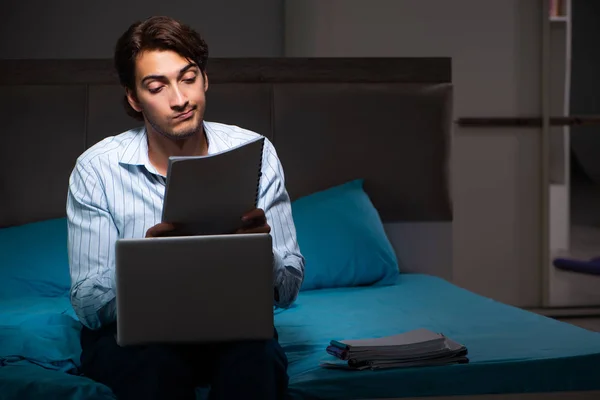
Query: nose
x,y
178,99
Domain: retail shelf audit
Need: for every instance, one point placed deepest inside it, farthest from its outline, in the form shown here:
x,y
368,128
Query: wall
x,y
585,85
495,46
68,29
581,290
496,51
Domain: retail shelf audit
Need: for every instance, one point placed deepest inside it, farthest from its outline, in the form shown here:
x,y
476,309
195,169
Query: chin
x,y
180,131
183,135
185,132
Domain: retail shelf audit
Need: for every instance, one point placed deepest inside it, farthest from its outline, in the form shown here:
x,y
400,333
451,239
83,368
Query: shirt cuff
x,y
277,263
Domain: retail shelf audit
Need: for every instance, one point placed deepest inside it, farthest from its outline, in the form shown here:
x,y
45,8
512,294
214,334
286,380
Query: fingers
x,y
160,229
259,229
254,221
257,216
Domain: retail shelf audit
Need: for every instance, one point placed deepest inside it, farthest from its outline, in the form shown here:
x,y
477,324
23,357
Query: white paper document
x,y
208,195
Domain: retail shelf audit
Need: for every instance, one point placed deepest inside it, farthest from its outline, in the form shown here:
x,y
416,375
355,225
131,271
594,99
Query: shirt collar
x,y
136,152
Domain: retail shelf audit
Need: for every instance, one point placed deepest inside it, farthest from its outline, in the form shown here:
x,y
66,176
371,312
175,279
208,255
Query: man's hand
x,y
160,229
254,221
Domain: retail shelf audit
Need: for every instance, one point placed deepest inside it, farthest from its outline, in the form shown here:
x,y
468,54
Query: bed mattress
x,y
510,350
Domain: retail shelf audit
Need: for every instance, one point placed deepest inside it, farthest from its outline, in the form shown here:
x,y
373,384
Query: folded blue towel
x,y
591,266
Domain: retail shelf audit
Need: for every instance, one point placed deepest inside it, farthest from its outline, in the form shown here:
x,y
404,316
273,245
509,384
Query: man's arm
x,y
288,268
92,236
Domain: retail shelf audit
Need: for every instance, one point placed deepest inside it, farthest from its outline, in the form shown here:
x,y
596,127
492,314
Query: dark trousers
x,y
236,370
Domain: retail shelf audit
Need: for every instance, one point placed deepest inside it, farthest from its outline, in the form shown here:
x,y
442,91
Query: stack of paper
x,y
416,348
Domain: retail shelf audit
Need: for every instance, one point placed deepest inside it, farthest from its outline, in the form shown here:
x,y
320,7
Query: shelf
x,y
559,18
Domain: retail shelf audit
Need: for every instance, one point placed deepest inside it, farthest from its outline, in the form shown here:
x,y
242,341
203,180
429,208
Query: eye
x,y
190,79
155,90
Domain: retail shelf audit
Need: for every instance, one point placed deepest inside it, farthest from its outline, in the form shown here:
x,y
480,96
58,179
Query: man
x,y
116,191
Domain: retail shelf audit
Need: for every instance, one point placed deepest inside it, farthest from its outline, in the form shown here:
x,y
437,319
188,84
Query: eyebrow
x,y
162,77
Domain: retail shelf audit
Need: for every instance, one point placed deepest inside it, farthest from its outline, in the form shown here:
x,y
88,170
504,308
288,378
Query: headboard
x,y
386,120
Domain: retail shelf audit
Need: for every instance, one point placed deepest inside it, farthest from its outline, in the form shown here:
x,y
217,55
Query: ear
x,y
132,99
205,81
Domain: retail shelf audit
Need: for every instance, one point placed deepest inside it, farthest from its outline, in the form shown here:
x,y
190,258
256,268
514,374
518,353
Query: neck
x,y
161,148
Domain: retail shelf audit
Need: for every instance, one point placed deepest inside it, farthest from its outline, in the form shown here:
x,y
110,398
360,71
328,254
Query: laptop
x,y
194,289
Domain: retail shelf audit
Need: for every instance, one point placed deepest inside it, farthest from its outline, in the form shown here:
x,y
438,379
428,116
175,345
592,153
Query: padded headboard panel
x,y
386,120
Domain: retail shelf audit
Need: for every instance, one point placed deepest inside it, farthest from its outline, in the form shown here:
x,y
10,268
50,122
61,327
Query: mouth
x,y
185,115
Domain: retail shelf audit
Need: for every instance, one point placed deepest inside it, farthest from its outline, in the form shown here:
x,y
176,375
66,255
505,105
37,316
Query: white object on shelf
x,y
559,218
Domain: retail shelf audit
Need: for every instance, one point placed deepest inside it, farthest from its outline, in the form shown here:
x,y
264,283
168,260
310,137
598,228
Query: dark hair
x,y
155,33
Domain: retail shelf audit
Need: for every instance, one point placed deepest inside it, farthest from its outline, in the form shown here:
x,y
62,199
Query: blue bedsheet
x,y
29,381
39,330
39,351
510,350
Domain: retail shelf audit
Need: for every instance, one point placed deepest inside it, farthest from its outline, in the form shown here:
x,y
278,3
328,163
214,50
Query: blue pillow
x,y
34,259
342,239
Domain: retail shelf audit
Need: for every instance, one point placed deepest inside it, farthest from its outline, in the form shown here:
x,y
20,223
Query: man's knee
x,y
155,371
164,362
162,373
256,357
275,354
258,368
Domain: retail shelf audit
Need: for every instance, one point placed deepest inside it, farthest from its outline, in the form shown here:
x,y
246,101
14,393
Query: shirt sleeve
x,y
288,265
91,246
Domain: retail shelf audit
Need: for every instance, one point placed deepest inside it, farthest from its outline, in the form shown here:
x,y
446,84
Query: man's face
x,y
170,93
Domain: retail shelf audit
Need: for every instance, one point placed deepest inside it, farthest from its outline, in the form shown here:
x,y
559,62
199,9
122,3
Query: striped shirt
x,y
115,192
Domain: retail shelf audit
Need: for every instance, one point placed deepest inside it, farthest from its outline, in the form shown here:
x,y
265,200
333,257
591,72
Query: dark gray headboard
x,y
386,120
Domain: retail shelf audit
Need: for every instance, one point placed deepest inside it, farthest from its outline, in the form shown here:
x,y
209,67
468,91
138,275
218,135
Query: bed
x,y
365,144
